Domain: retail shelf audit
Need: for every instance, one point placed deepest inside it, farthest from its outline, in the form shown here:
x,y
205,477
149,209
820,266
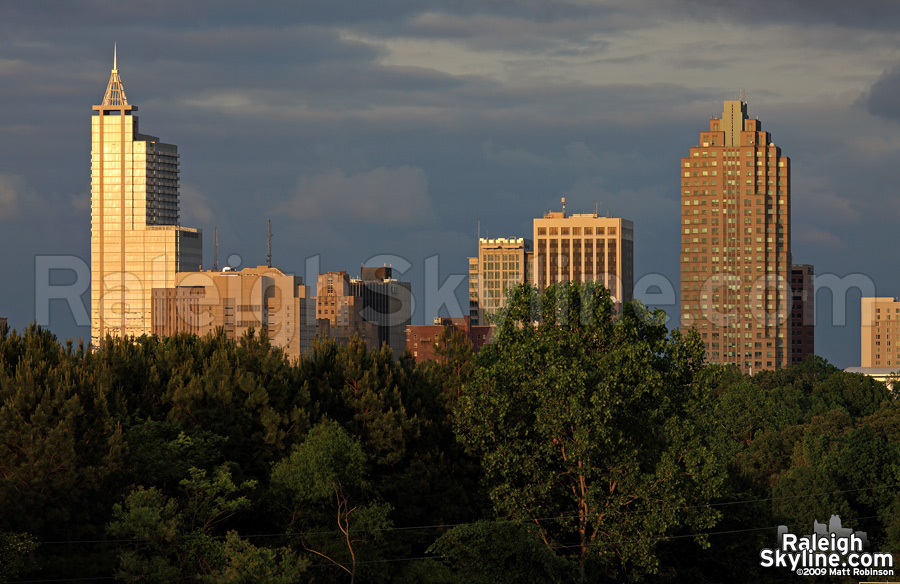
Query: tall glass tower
x,y
136,241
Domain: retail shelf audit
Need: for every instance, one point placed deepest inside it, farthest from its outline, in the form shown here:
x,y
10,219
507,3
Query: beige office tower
x,y
880,332
585,247
736,243
260,298
501,263
136,242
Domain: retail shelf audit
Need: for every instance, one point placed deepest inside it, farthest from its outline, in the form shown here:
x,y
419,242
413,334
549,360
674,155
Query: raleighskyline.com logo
x,y
837,551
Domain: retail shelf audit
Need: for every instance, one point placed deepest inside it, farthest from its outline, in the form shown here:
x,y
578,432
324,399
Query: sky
x,y
396,131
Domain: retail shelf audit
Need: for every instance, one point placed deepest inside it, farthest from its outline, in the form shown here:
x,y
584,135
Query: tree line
x,y
584,444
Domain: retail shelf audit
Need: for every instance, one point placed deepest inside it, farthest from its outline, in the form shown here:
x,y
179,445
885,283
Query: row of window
x,y
577,231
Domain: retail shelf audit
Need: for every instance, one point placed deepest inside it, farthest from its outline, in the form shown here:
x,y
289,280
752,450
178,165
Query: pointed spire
x,y
115,92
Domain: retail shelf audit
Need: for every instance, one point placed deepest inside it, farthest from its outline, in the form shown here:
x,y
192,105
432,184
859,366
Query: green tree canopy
x,y
592,426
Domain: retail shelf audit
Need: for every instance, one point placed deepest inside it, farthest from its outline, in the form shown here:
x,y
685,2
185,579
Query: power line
x,y
529,520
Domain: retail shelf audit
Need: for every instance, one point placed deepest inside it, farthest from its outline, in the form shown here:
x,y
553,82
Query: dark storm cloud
x,y
882,99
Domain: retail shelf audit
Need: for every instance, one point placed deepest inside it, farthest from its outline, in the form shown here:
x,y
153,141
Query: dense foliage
x,y
583,444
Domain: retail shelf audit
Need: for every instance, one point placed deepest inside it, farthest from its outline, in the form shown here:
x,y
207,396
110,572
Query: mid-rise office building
x,y
137,243
584,247
501,263
375,307
421,340
385,301
880,332
803,313
736,243
263,299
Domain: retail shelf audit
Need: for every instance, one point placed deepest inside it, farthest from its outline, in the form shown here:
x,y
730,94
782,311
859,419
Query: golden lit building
x,y
880,332
736,243
501,263
260,298
136,242
582,248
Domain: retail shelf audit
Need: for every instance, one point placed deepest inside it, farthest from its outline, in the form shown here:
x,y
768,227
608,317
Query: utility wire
x,y
529,520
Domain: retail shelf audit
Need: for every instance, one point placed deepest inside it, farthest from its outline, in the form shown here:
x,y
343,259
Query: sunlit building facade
x,y
584,247
502,262
263,299
880,332
136,242
736,243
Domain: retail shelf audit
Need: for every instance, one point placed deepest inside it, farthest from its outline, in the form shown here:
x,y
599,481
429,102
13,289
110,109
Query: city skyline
x,y
395,130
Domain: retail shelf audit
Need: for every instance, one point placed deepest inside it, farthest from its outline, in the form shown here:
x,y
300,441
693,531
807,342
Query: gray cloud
x,y
882,97
381,197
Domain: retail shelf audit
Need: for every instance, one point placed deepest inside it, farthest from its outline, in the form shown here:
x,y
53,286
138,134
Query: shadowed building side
x,y
803,313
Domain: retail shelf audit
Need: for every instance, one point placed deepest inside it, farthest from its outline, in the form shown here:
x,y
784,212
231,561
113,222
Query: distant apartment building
x,y
261,298
584,247
137,243
375,307
880,332
735,238
422,339
803,313
501,263
2,321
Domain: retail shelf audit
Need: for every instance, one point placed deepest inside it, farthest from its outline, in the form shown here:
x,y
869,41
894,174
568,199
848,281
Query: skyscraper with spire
x,y
136,241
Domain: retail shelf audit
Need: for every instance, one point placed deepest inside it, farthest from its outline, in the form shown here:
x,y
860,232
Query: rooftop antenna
x,y
269,241
216,248
595,208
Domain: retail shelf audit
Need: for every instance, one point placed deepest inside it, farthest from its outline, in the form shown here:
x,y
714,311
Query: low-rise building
x,y
421,339
261,298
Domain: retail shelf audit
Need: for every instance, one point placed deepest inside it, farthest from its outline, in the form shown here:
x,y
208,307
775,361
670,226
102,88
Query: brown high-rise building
x,y
736,243
803,313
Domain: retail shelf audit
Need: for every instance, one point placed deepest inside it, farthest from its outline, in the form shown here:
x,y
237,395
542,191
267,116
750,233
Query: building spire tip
x,y
115,50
